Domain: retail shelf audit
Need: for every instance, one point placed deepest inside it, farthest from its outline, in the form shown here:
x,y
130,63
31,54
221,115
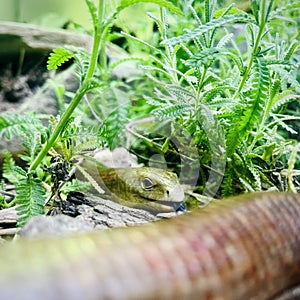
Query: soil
x,y
17,86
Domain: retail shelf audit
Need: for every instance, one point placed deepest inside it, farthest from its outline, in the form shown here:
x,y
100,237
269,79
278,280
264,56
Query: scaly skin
x,y
242,248
156,190
128,184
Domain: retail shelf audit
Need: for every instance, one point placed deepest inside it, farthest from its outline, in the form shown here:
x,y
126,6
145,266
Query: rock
x,y
104,213
59,225
24,87
8,222
118,158
32,39
8,216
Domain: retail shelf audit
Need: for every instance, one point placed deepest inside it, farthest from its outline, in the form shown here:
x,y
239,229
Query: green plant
x,y
240,84
221,80
64,132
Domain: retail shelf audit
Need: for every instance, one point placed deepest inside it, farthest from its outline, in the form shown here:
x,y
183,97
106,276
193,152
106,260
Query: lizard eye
x,y
147,183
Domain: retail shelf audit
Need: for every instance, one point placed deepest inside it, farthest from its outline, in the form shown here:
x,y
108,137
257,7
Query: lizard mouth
x,y
177,206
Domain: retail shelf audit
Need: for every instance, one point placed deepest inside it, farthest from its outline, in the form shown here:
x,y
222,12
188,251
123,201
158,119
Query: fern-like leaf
x,y
283,99
207,56
154,101
87,139
224,40
246,185
289,52
274,88
167,4
9,169
291,167
256,176
93,11
18,125
30,198
117,118
211,94
281,121
119,62
82,59
216,23
58,57
228,183
181,94
252,111
288,77
281,8
75,186
171,111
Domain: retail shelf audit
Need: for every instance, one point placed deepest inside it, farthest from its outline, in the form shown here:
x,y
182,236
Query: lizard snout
x,y
176,194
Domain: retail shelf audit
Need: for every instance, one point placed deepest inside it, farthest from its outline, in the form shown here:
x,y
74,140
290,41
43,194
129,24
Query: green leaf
x,y
216,23
291,167
291,49
282,8
9,169
256,175
255,9
246,185
283,99
252,110
30,199
167,4
171,111
117,117
209,8
16,125
93,11
211,94
231,11
58,57
289,77
228,182
206,57
75,186
268,151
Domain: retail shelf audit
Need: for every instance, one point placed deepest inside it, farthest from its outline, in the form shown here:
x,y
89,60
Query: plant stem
x,y
61,124
200,85
97,39
79,94
169,50
17,12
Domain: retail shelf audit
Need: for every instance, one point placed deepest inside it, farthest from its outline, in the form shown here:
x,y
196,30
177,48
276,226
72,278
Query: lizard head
x,y
158,185
141,185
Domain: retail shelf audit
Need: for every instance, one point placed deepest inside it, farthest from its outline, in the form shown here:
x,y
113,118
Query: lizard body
x,y
242,248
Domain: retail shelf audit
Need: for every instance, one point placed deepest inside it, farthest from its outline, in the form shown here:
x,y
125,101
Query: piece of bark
x,y
8,222
58,225
90,213
105,214
4,232
17,37
8,216
32,40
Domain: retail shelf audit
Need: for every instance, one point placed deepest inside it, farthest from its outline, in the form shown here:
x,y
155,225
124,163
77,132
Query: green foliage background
x,y
229,77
